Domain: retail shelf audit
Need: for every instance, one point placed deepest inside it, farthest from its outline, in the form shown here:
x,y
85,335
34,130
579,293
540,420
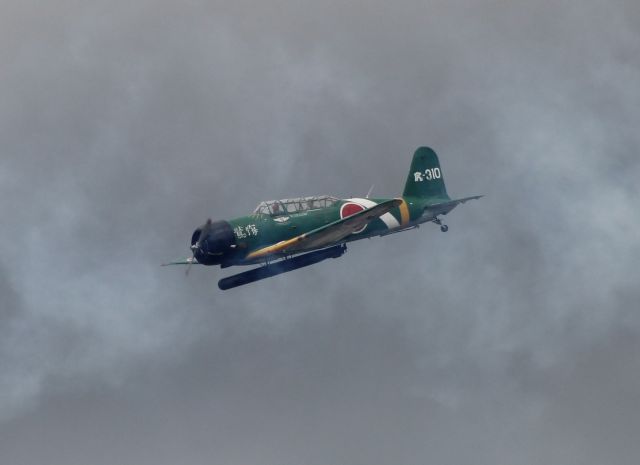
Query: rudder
x,y
425,176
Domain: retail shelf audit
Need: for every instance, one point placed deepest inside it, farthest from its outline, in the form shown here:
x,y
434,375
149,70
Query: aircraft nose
x,y
212,241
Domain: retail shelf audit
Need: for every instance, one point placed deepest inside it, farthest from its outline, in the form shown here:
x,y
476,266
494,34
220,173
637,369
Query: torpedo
x,y
280,267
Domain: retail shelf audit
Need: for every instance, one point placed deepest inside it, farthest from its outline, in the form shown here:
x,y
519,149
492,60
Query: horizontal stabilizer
x,y
442,208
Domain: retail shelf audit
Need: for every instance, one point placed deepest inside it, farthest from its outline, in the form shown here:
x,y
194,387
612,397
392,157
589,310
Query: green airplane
x,y
284,235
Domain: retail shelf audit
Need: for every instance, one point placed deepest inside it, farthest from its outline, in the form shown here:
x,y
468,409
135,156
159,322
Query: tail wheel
x,y
444,228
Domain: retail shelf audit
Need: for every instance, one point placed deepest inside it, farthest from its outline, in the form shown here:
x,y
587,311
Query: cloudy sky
x,y
512,339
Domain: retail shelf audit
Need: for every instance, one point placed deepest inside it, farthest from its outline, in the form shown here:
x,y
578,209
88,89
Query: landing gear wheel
x,y
444,228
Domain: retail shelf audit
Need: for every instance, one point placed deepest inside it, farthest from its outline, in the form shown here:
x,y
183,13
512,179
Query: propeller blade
x,y
195,247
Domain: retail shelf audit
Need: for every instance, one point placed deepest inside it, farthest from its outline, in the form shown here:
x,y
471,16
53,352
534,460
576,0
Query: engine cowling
x,y
212,242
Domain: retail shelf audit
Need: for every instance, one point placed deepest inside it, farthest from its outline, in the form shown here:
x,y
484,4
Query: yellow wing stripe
x,y
404,212
275,247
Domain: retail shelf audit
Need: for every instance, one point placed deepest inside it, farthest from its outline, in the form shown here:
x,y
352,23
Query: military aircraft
x,y
284,235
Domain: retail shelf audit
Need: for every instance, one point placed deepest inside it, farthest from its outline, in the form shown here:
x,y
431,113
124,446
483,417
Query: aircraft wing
x,y
185,261
443,208
328,234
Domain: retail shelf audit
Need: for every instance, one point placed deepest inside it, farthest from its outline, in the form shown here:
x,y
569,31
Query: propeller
x,y
197,246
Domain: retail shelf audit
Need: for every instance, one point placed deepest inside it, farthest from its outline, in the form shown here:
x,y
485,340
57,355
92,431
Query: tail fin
x,y
425,176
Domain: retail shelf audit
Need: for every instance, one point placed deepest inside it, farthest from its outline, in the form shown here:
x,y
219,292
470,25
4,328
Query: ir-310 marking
x,y
427,175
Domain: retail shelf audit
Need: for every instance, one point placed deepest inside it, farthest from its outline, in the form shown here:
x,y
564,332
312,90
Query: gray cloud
x,y
513,338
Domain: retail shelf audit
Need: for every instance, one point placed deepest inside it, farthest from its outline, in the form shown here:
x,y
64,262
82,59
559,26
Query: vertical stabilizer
x,y
425,176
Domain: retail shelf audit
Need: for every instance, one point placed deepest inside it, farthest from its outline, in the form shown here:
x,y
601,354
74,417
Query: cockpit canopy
x,y
290,206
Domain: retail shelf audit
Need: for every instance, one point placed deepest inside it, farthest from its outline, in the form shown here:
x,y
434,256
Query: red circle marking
x,y
349,209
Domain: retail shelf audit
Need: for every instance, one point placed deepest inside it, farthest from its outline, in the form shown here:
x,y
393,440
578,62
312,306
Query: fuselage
x,y
273,224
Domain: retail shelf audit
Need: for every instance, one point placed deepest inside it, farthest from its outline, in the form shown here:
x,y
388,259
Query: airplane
x,y
288,234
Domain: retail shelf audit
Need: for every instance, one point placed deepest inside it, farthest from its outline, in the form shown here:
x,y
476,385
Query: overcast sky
x,y
512,339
